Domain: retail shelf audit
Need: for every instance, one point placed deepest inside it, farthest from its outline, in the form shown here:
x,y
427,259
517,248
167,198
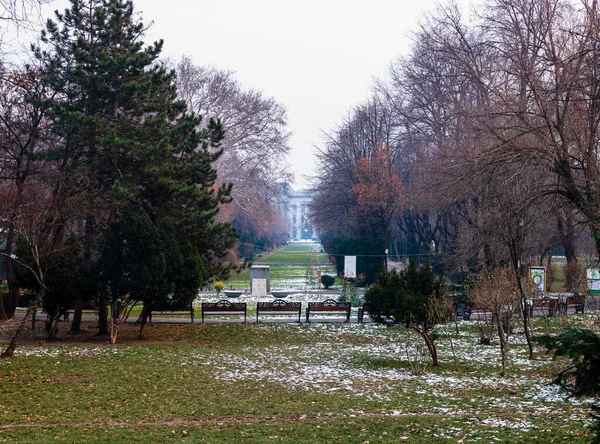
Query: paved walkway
x,y
183,319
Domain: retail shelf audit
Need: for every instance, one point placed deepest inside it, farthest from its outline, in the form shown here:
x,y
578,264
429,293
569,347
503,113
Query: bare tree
x,y
17,15
41,220
20,12
494,291
21,132
431,98
369,126
255,152
544,96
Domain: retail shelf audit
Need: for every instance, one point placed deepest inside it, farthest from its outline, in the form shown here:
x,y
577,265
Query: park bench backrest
x,y
576,300
328,306
279,306
223,307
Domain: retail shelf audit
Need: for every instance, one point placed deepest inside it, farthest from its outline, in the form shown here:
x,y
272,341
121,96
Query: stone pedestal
x,y
260,280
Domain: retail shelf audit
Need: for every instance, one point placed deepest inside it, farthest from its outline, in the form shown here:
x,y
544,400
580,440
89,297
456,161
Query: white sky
x,y
317,57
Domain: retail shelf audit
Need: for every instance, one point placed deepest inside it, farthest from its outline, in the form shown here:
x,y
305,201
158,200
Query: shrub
x,y
582,346
219,286
582,376
354,298
327,280
413,298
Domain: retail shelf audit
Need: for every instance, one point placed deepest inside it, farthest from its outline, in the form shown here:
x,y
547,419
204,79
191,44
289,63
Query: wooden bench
x,y
223,307
330,307
477,313
279,307
576,301
89,308
171,311
545,304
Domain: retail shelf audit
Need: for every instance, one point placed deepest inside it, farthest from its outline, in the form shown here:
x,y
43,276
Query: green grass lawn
x,y
296,277
293,266
312,383
295,253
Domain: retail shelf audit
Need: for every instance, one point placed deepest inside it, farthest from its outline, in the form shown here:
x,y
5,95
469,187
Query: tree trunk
x,y
144,318
77,315
595,229
549,271
52,326
3,316
10,350
9,268
113,330
119,314
102,315
566,231
525,312
430,345
503,343
13,298
522,298
88,244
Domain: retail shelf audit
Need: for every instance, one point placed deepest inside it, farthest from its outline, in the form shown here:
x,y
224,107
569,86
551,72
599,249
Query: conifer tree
x,y
121,130
413,298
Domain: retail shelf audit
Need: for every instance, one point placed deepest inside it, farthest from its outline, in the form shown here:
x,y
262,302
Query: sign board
x,y
350,267
538,277
593,280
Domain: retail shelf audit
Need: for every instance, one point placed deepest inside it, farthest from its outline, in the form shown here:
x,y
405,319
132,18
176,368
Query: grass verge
x,y
281,382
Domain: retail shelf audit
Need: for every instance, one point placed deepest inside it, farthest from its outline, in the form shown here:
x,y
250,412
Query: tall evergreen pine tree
x,y
122,131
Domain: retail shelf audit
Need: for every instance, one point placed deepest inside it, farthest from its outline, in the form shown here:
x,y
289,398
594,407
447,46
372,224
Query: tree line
x,y
117,170
481,145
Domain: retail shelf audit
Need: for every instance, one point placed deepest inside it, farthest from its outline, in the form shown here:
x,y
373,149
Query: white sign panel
x,y
593,274
538,276
594,285
593,278
350,266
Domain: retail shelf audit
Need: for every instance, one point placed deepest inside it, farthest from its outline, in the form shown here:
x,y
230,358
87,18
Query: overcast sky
x,y
316,57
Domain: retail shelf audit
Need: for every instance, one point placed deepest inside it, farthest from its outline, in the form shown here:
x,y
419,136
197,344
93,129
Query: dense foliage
x,y
327,281
413,298
117,141
582,346
369,252
582,376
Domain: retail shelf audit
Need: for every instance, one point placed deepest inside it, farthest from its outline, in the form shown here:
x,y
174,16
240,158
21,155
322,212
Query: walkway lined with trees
x,y
126,184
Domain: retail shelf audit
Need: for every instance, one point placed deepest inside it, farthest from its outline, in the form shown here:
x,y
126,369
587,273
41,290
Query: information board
x,y
538,277
350,267
593,280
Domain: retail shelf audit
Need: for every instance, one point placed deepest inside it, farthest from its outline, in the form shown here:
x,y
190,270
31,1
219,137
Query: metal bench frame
x,y
279,307
223,307
330,307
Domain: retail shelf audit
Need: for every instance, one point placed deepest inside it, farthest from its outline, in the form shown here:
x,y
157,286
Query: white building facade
x,y
297,214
